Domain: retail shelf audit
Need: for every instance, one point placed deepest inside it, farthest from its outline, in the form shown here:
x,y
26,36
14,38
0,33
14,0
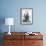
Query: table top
x,y
22,35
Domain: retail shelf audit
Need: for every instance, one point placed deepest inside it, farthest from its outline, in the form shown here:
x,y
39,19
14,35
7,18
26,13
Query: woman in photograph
x,y
26,16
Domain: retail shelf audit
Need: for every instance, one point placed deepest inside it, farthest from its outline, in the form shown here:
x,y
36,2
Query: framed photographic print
x,y
26,15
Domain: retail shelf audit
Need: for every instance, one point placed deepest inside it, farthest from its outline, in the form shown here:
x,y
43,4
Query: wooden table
x,y
20,39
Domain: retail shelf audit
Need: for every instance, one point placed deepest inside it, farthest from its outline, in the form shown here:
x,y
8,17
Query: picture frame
x,y
26,15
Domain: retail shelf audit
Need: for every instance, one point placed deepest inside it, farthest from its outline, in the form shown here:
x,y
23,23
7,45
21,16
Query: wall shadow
x,y
2,21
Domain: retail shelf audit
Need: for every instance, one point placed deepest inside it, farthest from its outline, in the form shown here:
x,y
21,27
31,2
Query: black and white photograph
x,y
26,15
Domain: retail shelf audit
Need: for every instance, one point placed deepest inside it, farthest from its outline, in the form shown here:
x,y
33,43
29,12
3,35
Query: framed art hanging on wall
x,y
26,16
